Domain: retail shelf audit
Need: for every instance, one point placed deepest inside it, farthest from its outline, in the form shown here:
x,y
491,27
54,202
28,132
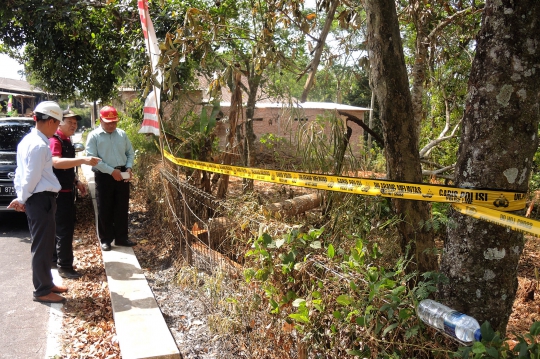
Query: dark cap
x,y
69,113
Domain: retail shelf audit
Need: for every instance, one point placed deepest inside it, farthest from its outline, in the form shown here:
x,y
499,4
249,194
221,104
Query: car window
x,y
12,134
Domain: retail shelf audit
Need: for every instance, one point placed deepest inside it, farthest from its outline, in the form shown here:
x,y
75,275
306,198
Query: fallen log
x,y
292,207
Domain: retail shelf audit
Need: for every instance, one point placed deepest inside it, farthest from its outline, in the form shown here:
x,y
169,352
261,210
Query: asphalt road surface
x,y
23,322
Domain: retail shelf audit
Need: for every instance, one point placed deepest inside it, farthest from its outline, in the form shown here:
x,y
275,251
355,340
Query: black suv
x,y
12,130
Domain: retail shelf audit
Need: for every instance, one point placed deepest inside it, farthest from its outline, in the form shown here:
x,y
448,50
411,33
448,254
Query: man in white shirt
x,y
37,188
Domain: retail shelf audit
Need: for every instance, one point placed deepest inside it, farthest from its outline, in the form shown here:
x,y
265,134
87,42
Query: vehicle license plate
x,y
4,190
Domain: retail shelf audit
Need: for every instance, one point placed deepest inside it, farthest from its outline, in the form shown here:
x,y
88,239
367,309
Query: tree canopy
x,y
72,48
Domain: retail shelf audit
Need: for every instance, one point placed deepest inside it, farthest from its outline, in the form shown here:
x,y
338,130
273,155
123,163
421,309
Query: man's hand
x,y
82,188
117,175
91,161
18,206
130,175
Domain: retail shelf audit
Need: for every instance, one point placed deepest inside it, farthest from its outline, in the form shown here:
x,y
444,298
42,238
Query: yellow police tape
x,y
508,220
501,200
488,205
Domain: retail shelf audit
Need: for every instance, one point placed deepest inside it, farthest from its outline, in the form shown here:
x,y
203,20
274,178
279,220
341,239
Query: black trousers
x,y
40,212
65,226
112,199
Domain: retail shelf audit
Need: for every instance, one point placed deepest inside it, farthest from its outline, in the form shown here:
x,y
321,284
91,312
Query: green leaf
x,y
478,348
316,245
288,258
337,314
389,328
398,290
494,353
316,233
266,239
298,302
344,299
535,329
299,317
204,121
331,252
411,332
487,332
405,314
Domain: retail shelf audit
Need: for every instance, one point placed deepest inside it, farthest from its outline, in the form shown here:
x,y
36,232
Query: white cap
x,y
50,108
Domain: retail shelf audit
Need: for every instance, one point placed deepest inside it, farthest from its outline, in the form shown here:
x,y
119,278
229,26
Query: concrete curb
x,y
140,326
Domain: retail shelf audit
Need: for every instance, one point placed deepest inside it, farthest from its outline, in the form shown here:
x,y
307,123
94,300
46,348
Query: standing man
x,y
64,163
112,176
37,188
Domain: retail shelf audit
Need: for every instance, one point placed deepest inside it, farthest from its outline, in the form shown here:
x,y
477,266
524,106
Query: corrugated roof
x,y
305,105
16,94
12,85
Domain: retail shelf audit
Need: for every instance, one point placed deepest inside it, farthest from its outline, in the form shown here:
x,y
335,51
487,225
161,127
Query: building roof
x,y
305,105
18,86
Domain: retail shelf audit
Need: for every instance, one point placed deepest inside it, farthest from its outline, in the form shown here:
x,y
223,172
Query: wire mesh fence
x,y
200,219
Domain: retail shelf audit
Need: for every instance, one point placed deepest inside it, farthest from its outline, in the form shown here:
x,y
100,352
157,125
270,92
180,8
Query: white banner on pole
x,y
151,104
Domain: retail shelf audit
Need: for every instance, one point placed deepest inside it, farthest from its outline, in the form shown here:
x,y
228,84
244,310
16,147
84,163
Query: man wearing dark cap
x,y
64,164
112,176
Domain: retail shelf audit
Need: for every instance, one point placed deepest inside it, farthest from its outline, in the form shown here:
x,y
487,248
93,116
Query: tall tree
x,y
391,87
72,47
498,141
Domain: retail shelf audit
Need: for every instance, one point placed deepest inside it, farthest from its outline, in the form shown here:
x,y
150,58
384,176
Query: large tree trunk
x,y
235,112
418,72
498,142
254,80
391,88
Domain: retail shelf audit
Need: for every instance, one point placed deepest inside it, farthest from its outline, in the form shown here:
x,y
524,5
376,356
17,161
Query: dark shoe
x,y
50,298
105,246
127,243
59,289
68,273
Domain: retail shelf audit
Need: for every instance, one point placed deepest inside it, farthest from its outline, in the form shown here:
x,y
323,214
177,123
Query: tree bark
x,y
236,111
254,80
391,87
292,207
319,50
498,142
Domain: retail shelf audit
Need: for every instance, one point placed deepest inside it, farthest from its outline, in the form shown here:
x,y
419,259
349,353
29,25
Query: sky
x,y
9,68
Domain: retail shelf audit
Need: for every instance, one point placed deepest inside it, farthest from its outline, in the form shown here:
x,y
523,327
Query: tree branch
x,y
361,123
449,19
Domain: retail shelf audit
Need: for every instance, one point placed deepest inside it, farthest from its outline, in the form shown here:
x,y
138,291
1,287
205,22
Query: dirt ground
x,y
88,322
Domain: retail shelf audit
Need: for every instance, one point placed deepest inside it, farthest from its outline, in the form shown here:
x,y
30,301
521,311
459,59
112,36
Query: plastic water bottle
x,y
458,325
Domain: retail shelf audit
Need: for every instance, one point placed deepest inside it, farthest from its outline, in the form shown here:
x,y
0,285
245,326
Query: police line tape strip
x,y
508,220
500,200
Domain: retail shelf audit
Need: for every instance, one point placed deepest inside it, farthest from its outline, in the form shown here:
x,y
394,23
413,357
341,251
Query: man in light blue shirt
x,y
112,176
37,188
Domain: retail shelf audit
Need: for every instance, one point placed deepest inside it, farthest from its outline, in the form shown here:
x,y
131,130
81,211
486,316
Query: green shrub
x,y
493,346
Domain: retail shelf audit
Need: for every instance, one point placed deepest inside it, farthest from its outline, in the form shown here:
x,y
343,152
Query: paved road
x,y
23,322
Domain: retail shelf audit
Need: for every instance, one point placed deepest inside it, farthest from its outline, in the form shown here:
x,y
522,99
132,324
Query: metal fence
x,y
200,218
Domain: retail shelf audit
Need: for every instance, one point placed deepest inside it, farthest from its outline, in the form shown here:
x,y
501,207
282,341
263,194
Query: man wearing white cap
x,y
37,188
112,176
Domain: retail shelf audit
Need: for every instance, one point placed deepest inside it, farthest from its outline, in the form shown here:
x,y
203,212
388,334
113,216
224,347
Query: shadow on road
x,y
12,223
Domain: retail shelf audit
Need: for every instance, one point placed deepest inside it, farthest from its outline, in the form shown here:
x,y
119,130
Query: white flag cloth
x,y
150,120
151,104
